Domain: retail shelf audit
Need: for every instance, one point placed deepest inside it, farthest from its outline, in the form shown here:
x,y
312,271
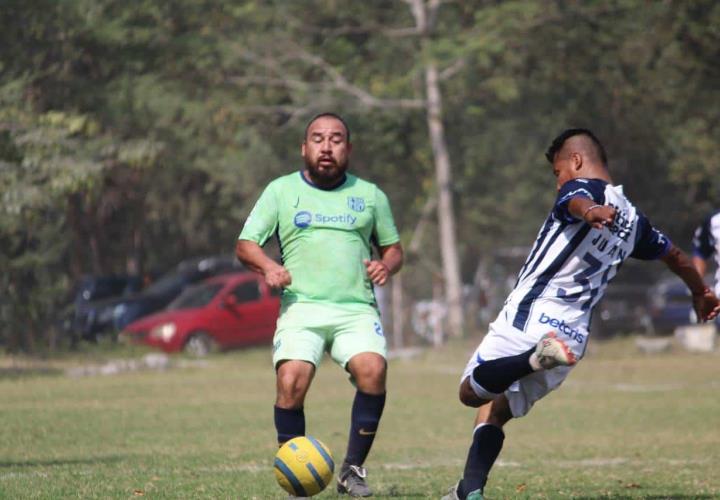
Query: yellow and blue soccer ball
x,y
304,466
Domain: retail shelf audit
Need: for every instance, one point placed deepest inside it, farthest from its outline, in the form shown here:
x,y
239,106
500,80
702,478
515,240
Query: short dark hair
x,y
330,115
559,141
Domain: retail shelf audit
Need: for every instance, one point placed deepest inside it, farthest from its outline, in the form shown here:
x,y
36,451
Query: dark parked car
x,y
92,289
228,311
101,287
654,309
623,309
113,314
670,305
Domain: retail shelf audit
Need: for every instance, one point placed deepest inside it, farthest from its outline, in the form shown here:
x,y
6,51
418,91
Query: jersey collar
x,y
310,183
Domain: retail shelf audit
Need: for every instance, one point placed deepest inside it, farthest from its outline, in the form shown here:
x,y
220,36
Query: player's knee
x,y
292,387
369,373
291,396
293,382
471,400
468,397
371,381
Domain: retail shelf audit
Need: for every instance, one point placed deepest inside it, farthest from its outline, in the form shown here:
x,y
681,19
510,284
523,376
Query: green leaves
x,y
149,128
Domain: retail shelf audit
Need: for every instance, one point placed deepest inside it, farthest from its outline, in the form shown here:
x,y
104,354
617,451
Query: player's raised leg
x,y
491,378
368,370
484,387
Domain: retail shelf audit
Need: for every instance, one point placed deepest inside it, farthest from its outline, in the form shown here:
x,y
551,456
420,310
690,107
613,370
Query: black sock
x,y
289,423
486,446
366,412
498,374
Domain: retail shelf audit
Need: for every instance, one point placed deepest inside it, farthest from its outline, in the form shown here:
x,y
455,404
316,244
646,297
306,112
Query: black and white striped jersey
x,y
571,263
706,243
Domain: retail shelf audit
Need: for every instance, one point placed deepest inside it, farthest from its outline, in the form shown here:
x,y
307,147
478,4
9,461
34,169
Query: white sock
x,y
534,363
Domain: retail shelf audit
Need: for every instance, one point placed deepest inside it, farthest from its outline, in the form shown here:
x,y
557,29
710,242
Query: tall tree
x,y
146,130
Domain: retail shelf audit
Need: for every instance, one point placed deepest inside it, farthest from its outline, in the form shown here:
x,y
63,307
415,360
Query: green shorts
x,y
306,330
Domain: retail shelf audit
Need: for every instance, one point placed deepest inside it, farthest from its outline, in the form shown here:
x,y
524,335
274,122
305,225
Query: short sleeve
x,y
385,233
263,219
650,244
592,189
703,241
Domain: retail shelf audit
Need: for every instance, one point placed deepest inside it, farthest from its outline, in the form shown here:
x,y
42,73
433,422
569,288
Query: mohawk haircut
x,y
330,115
559,141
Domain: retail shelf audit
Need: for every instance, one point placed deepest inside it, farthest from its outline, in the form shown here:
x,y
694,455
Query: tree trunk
x,y
446,214
95,254
134,264
74,216
425,14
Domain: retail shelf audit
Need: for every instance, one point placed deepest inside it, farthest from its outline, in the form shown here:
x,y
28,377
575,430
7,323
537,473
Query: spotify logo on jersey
x,y
302,219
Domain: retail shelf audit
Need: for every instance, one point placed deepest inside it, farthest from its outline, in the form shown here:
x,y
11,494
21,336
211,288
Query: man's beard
x,y
327,175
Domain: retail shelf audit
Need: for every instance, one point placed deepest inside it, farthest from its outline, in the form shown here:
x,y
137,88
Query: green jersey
x,y
324,236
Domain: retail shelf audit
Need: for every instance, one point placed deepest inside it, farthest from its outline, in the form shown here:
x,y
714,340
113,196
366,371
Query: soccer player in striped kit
x,y
706,244
543,328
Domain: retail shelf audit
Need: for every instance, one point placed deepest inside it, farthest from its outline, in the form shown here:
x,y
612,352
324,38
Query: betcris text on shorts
x,y
560,327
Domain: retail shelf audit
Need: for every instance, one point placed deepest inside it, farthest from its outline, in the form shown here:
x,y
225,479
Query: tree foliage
x,y
143,132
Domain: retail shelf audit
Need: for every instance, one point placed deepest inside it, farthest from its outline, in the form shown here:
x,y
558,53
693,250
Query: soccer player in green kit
x,y
326,221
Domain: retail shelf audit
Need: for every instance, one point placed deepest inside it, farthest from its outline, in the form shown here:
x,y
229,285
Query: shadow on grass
x,y
673,496
17,372
59,462
400,492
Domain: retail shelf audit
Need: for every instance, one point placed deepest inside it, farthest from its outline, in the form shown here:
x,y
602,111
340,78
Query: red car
x,y
227,311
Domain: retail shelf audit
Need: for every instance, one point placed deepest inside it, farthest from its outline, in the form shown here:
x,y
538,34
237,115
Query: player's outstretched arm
x,y
699,264
390,262
705,302
590,212
252,255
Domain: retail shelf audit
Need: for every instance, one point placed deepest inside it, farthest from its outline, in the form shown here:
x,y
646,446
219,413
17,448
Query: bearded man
x,y
327,222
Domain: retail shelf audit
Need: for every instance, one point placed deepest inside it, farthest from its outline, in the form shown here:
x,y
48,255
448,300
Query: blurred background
x,y
136,136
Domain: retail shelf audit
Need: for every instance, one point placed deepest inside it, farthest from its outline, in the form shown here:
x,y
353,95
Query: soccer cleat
x,y
352,482
552,352
453,494
475,495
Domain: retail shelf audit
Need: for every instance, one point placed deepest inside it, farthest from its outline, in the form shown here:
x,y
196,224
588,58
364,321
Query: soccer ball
x,y
304,466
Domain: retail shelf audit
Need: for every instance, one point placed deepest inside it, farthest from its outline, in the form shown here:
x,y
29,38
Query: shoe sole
x,y
568,356
342,490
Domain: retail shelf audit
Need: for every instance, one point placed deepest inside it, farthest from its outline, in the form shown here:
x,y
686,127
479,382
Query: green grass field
x,y
623,426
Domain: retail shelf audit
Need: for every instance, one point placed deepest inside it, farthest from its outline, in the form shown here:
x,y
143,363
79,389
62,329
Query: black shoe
x,y
352,482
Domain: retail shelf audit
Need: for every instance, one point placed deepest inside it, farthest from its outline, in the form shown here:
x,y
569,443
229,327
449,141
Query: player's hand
x,y
706,304
600,215
377,271
277,276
